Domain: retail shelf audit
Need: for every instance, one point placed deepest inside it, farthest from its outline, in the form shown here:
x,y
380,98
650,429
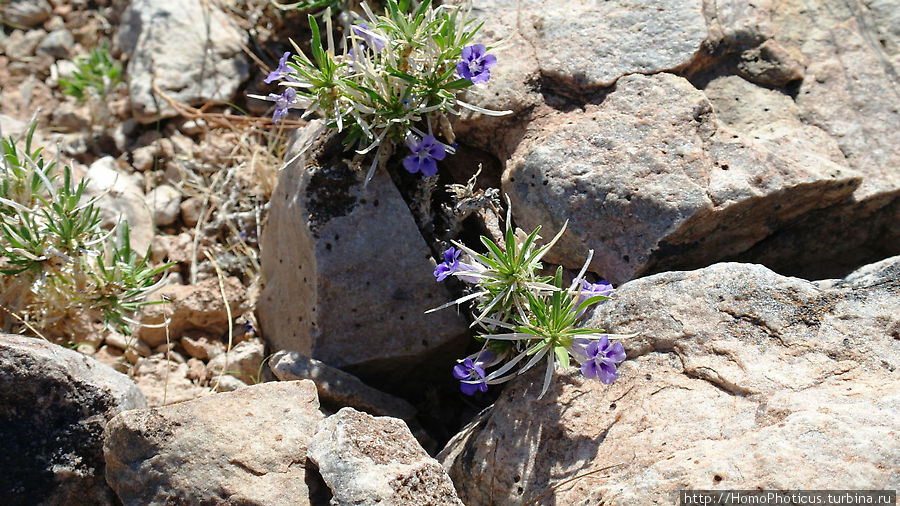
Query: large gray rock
x,y
583,45
850,94
190,49
829,241
651,181
54,405
241,447
833,65
348,275
589,44
369,460
571,49
737,378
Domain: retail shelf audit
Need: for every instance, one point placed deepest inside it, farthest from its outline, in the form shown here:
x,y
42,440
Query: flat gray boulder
x,y
651,181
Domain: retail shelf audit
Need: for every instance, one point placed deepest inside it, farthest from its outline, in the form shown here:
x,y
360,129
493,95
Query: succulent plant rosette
x,y
525,319
392,80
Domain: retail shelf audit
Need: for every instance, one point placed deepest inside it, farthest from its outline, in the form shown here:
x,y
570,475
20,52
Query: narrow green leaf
x,y
562,356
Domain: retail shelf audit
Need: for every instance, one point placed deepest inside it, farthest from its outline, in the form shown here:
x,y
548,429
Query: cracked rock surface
x,y
241,447
690,191
737,378
804,120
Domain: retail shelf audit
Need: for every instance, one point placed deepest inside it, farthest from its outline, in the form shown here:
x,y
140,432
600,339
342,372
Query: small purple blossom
x,y
589,290
475,64
362,30
472,369
282,69
601,287
450,264
601,359
282,103
425,156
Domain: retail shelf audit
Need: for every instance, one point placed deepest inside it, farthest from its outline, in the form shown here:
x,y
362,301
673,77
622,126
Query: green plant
x,y
394,79
523,315
58,267
95,73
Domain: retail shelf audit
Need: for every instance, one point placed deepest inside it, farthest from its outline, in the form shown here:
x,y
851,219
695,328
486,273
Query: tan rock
x,y
191,209
197,371
25,12
112,357
197,307
369,460
124,200
202,346
243,361
242,447
772,64
165,382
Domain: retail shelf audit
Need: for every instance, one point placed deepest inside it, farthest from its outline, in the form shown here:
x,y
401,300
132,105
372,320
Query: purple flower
x,y
450,264
601,359
589,290
362,30
475,65
425,156
473,370
282,69
601,287
283,102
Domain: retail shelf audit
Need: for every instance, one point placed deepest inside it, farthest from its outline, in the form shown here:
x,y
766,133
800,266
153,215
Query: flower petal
x,y
607,373
428,167
589,369
482,77
470,388
592,349
411,164
437,151
462,68
616,352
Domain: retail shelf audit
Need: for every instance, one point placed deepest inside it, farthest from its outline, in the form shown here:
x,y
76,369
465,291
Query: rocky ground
x,y
735,167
